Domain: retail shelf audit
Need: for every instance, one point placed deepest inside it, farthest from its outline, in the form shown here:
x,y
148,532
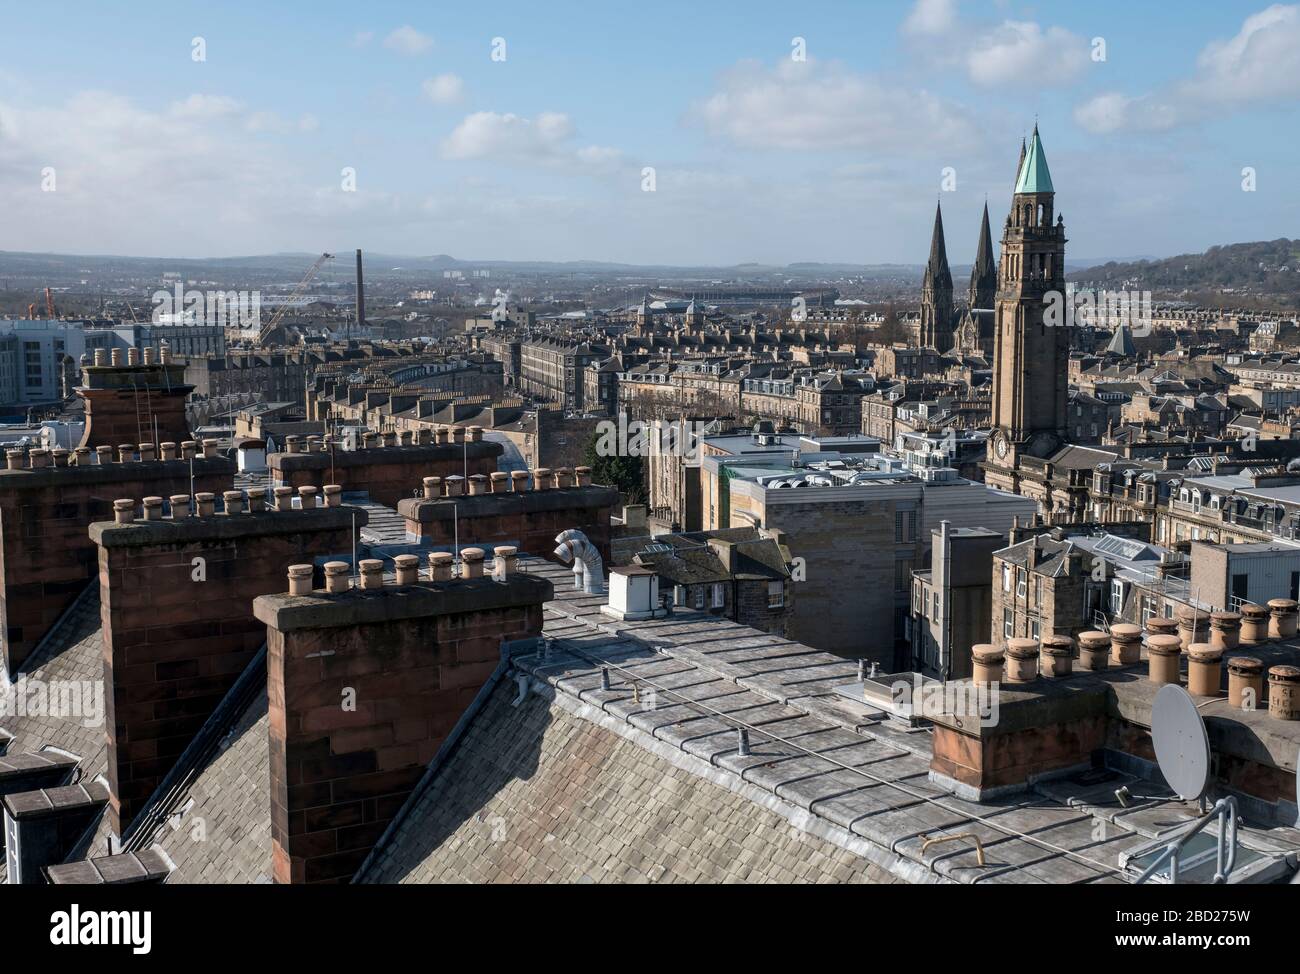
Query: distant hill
x,y
1263,268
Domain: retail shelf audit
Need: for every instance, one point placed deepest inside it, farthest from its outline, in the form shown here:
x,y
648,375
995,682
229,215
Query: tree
x,y
627,473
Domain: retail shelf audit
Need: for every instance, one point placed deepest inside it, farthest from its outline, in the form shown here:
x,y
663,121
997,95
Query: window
x,y
719,595
1008,623
1021,576
1033,629
1006,577
775,595
699,596
1116,597
904,527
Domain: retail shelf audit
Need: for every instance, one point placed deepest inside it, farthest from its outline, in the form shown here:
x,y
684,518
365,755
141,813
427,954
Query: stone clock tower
x,y
1031,358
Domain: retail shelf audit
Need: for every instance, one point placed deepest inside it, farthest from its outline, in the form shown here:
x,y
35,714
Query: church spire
x,y
937,274
1020,163
936,293
984,272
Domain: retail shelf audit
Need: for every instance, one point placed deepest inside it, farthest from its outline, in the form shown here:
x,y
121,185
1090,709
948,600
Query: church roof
x,y
1121,343
1034,177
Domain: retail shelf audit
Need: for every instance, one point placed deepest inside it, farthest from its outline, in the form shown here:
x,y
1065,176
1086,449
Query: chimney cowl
x,y
256,500
440,563
206,503
124,510
336,577
233,500
506,560
407,569
372,573
283,498
300,579
307,497
153,508
180,506
333,495
471,562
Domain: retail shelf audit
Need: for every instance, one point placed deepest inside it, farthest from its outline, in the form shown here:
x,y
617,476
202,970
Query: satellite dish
x,y
1182,746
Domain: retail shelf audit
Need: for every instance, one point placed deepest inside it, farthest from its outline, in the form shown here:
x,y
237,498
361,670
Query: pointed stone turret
x,y
984,272
1020,163
1034,176
936,292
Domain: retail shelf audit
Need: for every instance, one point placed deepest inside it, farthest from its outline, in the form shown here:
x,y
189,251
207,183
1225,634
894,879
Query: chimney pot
x,y
440,566
442,436
124,510
14,459
125,452
477,484
104,454
283,498
518,481
372,573
168,450
333,495
101,356
455,485
367,440
507,557
291,444
165,353
308,496
405,437
233,501
498,482
315,444
60,456
476,434
432,487
40,458
148,355
1163,654
133,356
188,449
116,358
408,569
206,503
424,436
180,506
471,562
1284,692
390,438
300,579
562,477
209,449
458,435
146,452
542,478
153,508
256,500
336,577
81,456
583,475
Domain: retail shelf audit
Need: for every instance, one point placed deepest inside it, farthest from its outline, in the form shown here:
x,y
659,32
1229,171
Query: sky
x,y
666,133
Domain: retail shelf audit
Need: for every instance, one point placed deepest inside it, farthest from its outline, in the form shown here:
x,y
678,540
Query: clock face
x,y
1002,447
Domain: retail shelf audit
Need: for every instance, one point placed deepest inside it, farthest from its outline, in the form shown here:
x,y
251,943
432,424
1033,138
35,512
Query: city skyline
x,y
193,136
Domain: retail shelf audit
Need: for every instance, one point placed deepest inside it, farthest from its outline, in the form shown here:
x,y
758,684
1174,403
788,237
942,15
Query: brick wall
x,y
410,665
389,474
134,404
177,605
528,519
46,557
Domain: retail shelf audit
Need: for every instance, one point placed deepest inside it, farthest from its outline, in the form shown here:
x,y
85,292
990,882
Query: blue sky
x,y
757,156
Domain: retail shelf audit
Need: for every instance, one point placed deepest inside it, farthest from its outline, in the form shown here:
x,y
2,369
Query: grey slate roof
x,y
72,651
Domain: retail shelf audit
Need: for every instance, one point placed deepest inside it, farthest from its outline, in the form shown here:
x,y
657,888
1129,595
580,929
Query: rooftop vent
x,y
633,594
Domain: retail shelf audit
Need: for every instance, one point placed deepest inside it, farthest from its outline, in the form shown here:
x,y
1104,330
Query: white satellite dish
x,y
1182,746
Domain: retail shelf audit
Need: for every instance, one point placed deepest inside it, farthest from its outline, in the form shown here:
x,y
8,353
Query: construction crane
x,y
274,321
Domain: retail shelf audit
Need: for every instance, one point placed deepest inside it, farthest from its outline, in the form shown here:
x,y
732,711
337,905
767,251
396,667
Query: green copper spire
x,y
1034,177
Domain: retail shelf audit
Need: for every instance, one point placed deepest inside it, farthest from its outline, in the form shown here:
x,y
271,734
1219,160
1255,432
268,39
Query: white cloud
x,y
445,89
1019,52
205,106
409,41
929,17
1259,66
515,139
813,105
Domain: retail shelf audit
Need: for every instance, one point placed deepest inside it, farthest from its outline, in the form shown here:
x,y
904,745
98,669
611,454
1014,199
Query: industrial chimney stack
x,y
361,295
